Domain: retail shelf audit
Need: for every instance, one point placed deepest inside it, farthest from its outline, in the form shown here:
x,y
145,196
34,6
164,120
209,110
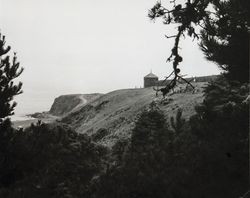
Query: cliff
x,y
66,104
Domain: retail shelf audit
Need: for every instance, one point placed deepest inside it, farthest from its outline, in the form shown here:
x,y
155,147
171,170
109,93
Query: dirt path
x,y
83,102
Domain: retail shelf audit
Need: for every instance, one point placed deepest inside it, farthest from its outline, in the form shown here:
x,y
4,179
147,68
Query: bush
x,y
52,161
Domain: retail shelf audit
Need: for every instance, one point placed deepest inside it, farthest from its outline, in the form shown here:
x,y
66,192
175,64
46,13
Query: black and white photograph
x,y
124,99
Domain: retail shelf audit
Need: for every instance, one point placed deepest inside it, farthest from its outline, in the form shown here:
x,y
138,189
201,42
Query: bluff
x,y
66,104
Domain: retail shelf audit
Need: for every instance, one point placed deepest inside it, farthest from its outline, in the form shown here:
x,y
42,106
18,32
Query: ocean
x,y
29,104
20,117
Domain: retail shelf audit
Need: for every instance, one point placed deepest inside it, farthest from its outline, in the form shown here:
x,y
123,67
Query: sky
x,y
89,46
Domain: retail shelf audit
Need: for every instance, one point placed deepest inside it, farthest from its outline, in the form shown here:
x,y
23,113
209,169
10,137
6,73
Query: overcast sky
x,y
85,46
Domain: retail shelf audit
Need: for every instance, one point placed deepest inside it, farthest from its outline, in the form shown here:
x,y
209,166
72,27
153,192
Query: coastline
x,y
27,120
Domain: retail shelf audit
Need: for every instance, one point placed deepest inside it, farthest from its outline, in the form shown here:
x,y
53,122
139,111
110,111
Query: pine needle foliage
x,y
9,71
221,28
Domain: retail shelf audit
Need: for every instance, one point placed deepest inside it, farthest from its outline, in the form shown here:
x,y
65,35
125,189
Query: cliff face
x,y
112,116
69,103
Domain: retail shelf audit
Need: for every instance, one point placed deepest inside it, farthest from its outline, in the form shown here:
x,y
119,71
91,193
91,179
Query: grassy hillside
x,y
113,115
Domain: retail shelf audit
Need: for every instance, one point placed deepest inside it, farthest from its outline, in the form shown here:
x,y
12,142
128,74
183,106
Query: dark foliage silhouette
x,y
9,70
51,161
221,26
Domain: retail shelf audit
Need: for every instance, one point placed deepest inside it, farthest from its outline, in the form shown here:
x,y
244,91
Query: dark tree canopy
x,y
221,26
9,70
225,39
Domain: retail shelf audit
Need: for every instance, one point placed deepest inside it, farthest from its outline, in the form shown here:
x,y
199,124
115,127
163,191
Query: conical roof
x,y
151,75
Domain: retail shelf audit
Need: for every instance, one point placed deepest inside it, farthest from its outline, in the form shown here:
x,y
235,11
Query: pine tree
x,y
223,35
225,39
9,70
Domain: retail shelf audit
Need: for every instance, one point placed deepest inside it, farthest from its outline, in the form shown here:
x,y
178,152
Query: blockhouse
x,y
150,80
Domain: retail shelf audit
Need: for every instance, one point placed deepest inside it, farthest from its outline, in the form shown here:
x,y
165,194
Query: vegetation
x,y
8,72
140,167
50,161
222,27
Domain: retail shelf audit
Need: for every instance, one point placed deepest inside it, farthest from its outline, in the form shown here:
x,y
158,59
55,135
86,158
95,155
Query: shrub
x,y
53,161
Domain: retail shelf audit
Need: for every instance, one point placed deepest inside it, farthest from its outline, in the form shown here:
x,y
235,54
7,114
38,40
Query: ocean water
x,y
31,103
20,117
